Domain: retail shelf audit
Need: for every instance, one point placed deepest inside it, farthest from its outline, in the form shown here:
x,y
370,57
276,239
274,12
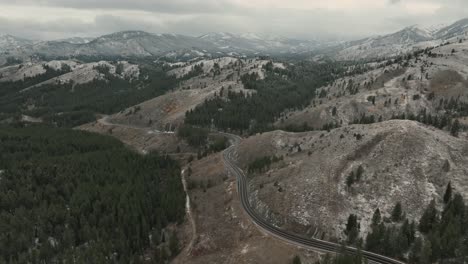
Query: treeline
x,y
11,86
280,90
75,197
444,121
69,104
442,234
10,91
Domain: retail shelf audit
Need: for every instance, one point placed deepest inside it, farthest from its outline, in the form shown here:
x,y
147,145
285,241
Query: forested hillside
x,y
75,197
70,104
282,89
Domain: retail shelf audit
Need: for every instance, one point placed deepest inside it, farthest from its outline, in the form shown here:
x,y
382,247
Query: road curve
x,y
310,243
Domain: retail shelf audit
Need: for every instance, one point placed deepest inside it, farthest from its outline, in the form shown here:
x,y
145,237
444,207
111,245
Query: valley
x,y
264,149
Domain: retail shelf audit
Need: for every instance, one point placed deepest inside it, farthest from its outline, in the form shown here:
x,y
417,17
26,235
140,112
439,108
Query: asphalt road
x,y
296,239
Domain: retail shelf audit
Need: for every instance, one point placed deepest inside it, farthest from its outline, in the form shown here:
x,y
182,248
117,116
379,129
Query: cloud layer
x,y
51,19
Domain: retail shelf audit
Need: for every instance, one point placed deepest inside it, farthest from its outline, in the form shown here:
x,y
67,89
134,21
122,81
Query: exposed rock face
x,y
402,161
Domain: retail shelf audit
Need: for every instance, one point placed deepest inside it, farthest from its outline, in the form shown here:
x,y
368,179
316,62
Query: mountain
x,y
76,40
254,43
139,43
409,35
459,28
180,47
144,44
406,40
120,44
10,43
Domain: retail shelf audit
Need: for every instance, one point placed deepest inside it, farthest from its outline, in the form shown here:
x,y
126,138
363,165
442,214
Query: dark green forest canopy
x,y
70,194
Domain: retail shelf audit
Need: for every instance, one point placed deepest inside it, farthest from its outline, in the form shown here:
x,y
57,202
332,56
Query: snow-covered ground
x,y
79,73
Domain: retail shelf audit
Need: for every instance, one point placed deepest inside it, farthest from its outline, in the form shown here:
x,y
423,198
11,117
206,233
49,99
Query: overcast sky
x,y
53,19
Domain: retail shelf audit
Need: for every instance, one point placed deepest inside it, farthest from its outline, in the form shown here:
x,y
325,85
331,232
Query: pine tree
x,y
376,218
397,212
426,253
429,219
350,179
455,128
448,193
352,228
174,244
359,173
415,251
435,240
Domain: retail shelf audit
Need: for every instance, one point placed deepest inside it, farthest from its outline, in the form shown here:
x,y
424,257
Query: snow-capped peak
x,y
419,30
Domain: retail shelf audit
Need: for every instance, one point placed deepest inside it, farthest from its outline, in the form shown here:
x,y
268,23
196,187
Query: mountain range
x,y
398,43
144,44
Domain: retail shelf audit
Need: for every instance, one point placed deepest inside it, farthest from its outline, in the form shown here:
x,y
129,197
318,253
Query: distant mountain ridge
x,y
176,46
401,42
9,42
258,43
76,40
456,29
144,44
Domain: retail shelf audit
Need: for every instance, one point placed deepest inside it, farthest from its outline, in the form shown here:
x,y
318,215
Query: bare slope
x,y
307,191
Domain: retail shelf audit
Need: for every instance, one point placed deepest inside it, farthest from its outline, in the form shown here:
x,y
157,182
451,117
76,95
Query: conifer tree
x,y
397,212
448,193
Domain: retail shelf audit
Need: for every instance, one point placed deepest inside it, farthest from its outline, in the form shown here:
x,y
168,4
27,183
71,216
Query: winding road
x,y
309,243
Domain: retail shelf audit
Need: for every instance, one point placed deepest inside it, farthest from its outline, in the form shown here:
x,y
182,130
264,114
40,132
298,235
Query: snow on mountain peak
x,y
420,30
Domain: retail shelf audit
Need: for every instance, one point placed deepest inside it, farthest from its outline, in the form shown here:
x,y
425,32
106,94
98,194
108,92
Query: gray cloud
x,y
172,6
195,17
44,30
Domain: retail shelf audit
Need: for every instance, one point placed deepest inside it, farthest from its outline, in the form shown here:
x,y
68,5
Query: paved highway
x,y
309,243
